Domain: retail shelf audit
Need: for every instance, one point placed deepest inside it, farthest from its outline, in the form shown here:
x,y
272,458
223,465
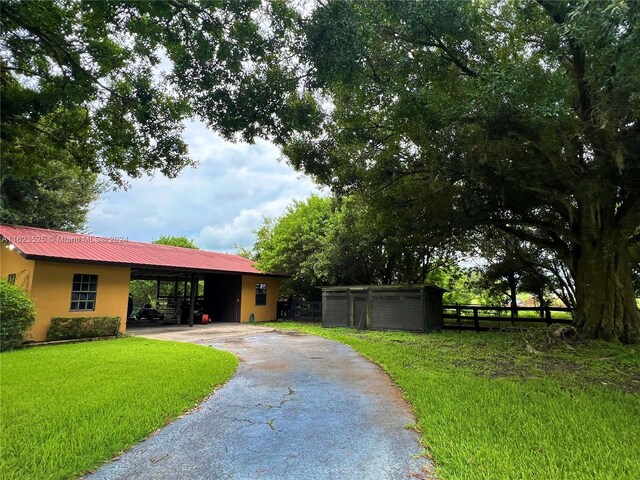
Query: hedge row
x,y
68,328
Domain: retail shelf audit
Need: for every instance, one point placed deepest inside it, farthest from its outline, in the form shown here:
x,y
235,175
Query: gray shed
x,y
417,308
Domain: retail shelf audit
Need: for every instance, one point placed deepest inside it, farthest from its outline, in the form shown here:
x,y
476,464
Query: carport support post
x,y
192,303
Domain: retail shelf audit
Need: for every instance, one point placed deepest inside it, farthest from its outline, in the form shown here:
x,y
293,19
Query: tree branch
x,y
555,245
437,43
551,6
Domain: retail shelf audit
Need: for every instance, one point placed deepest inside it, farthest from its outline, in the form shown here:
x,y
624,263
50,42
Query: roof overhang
x,y
147,268
364,288
146,259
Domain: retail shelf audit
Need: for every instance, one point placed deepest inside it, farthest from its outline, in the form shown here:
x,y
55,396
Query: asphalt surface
x,y
299,407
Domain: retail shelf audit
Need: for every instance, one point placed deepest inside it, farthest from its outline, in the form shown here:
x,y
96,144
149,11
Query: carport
x,y
190,283
183,296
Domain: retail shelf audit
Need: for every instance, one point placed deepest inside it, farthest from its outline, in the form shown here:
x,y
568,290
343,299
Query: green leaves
x,y
18,315
325,241
104,87
454,115
522,107
139,69
293,244
174,241
43,183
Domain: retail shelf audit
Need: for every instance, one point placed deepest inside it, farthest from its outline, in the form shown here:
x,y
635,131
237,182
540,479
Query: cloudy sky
x,y
217,204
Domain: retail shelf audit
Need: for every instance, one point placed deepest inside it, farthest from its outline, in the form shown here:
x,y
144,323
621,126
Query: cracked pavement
x,y
299,407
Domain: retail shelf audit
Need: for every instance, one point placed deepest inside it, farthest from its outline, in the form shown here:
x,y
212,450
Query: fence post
x,y
458,319
476,322
548,315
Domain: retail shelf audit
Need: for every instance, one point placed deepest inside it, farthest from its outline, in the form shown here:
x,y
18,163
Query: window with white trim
x,y
83,292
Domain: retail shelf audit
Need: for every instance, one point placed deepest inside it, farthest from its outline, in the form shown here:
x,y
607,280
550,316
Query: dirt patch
x,y
628,385
562,366
633,386
505,368
566,371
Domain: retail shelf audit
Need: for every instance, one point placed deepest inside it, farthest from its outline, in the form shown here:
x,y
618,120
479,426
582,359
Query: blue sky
x,y
218,204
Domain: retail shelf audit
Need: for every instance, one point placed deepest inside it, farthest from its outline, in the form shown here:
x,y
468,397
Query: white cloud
x,y
238,231
219,203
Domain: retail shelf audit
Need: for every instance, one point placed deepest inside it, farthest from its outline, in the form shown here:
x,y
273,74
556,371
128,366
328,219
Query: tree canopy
x,y
341,241
176,241
52,195
109,83
519,116
294,243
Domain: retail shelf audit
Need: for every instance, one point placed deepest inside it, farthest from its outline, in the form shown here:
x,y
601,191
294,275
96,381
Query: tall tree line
x,y
342,241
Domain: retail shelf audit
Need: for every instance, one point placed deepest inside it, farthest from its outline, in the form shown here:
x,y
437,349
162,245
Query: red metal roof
x,y
40,243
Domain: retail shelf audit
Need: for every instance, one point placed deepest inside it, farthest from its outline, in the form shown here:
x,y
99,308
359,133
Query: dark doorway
x,y
222,297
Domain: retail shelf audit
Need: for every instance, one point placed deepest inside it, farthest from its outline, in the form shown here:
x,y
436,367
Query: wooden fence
x,y
300,310
456,317
480,317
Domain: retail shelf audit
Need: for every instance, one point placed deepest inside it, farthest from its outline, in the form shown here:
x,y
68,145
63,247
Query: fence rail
x,y
469,317
458,317
300,310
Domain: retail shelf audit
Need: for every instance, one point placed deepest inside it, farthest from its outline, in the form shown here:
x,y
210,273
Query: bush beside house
x,y
17,315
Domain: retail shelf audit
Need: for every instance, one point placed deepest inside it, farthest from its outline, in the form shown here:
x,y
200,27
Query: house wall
x,y
262,313
12,262
51,292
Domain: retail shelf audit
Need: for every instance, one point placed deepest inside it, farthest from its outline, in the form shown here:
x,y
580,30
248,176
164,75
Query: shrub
x,y
68,328
17,315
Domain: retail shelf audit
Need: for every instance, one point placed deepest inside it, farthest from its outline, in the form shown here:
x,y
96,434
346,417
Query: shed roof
x,y
53,245
381,288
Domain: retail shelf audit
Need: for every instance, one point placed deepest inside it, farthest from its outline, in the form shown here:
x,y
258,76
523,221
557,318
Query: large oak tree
x,y
524,115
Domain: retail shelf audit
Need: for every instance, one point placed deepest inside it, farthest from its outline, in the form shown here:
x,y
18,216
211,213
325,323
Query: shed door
x,y
335,309
360,312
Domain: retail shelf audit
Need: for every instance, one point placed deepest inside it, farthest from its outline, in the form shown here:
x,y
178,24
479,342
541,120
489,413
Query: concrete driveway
x,y
299,407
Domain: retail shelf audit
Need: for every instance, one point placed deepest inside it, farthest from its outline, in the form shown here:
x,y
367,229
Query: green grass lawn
x,y
490,408
68,408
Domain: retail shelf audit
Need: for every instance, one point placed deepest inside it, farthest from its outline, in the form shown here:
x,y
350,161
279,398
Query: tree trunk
x,y
606,306
540,296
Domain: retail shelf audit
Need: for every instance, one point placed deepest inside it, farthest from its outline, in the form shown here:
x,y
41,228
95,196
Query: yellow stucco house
x,y
74,275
